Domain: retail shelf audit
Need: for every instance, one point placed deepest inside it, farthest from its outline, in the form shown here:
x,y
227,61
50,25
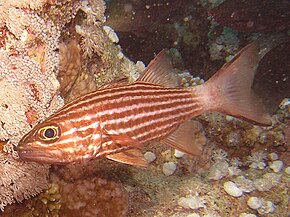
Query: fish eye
x,y
49,133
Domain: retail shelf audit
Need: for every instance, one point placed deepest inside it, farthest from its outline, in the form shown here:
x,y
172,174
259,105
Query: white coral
x,y
33,4
218,170
244,184
25,94
219,155
257,160
192,202
268,181
26,180
29,93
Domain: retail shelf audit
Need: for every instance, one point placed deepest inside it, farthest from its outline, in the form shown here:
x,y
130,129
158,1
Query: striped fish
x,y
118,119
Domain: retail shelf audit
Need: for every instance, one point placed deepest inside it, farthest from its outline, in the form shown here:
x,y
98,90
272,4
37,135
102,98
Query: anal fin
x,y
188,138
132,157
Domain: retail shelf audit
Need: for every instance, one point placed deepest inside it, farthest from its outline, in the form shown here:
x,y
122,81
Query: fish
x,y
117,120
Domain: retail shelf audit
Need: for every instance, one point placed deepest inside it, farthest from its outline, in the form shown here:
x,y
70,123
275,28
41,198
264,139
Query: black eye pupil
x,y
49,133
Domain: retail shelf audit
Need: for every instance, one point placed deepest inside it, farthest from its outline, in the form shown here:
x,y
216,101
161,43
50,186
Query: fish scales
x,y
106,94
133,110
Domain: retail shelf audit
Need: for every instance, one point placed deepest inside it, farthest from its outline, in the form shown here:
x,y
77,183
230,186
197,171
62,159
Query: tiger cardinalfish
x,y
118,119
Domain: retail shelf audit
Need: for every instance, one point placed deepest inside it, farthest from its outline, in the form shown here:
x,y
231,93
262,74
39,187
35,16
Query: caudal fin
x,y
229,90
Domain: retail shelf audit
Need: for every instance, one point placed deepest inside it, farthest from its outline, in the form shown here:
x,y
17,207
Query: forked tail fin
x,y
229,90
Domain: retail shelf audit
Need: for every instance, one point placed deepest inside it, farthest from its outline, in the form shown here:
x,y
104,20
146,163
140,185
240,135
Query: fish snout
x,y
27,152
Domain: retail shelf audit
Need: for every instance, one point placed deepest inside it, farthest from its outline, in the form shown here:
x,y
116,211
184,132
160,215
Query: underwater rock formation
x,y
93,58
253,15
29,93
29,63
94,197
51,52
20,180
172,24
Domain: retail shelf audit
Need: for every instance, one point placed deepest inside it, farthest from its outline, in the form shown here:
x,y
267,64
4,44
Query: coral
x,y
30,66
48,202
32,4
169,168
276,165
225,44
20,180
218,170
232,189
93,197
28,78
29,93
94,9
256,160
233,138
268,181
246,185
112,35
178,154
220,167
101,58
150,156
70,65
261,205
234,171
112,65
253,15
219,155
191,202
186,79
24,82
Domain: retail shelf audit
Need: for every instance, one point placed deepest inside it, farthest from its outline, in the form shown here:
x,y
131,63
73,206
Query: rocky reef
x,y
52,51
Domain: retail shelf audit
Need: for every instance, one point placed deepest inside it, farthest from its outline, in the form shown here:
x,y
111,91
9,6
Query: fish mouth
x,y
30,154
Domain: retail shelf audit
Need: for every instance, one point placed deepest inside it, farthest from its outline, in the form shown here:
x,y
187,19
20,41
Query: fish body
x,y
118,119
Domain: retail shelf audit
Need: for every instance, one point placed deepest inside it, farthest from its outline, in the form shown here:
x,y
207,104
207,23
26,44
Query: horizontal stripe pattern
x,y
145,112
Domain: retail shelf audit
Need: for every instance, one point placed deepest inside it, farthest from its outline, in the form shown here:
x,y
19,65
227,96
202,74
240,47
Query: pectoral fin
x,y
127,149
124,140
188,138
132,157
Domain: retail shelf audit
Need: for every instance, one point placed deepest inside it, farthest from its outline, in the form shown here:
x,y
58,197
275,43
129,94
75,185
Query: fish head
x,y
58,143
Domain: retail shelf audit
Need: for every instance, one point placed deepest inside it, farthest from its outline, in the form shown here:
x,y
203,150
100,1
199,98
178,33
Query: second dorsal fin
x,y
160,71
119,82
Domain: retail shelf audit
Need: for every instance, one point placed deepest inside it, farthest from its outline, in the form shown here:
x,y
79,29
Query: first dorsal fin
x,y
188,138
160,71
119,82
